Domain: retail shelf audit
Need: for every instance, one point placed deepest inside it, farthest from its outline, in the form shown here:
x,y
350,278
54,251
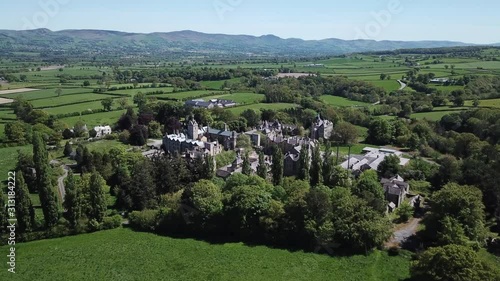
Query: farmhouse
x,y
439,80
199,103
102,131
371,159
395,190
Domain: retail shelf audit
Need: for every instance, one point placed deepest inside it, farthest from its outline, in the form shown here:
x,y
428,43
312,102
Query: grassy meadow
x,y
122,254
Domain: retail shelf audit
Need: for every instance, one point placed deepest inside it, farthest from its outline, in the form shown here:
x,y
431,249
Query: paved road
x,y
60,183
403,85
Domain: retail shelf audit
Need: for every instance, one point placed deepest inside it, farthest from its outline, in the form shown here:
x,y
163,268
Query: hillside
x,y
70,43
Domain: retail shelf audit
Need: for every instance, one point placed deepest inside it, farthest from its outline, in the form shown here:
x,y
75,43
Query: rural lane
x,y
403,85
60,183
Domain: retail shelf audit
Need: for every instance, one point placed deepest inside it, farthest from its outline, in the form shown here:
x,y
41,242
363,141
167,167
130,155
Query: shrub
x,y
146,220
112,222
93,225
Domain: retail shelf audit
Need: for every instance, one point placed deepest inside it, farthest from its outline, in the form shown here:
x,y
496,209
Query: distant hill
x,y
189,44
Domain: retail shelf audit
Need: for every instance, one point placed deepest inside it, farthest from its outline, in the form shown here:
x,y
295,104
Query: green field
x,y
122,254
190,94
68,99
432,116
341,102
260,106
240,98
494,103
8,159
102,118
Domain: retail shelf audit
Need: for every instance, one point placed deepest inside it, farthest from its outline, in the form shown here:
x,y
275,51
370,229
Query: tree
x,y
245,207
278,166
383,76
304,164
262,168
452,262
345,133
328,165
405,212
138,135
451,232
206,197
58,92
458,101
97,197
15,131
389,167
380,132
316,173
107,103
44,183
476,102
143,189
140,99
369,188
209,167
154,130
86,83
464,204
67,134
123,103
80,129
4,216
252,117
73,199
244,141
246,167
25,214
318,215
68,149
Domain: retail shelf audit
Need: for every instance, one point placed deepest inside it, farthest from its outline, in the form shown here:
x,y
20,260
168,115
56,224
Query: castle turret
x,y
192,132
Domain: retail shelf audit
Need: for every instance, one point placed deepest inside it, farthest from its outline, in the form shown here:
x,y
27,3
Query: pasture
x,y
261,106
122,254
341,102
240,98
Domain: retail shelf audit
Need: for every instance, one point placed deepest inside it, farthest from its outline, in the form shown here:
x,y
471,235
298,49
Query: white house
x,y
102,131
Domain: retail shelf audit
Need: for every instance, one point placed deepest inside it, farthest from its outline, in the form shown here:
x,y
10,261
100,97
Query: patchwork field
x,y
341,102
240,98
260,106
122,254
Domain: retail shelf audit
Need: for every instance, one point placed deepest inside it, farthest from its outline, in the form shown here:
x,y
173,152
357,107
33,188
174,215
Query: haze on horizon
x,y
406,20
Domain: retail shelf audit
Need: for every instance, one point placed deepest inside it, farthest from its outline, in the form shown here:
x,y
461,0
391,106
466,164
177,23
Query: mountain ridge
x,y
189,42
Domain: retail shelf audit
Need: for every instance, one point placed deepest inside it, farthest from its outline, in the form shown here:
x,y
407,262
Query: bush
x,y
112,222
405,212
111,137
93,225
146,220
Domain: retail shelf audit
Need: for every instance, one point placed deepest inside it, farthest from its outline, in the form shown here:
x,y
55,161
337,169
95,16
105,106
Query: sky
x,y
409,20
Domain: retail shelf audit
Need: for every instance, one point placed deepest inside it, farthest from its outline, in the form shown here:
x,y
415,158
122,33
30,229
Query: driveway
x,y
60,183
403,232
403,85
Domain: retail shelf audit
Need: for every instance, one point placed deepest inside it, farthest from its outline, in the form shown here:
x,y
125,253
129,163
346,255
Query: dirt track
x,y
15,91
4,101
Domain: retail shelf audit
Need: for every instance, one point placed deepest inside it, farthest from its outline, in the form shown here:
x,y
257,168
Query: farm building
x,y
371,159
199,103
